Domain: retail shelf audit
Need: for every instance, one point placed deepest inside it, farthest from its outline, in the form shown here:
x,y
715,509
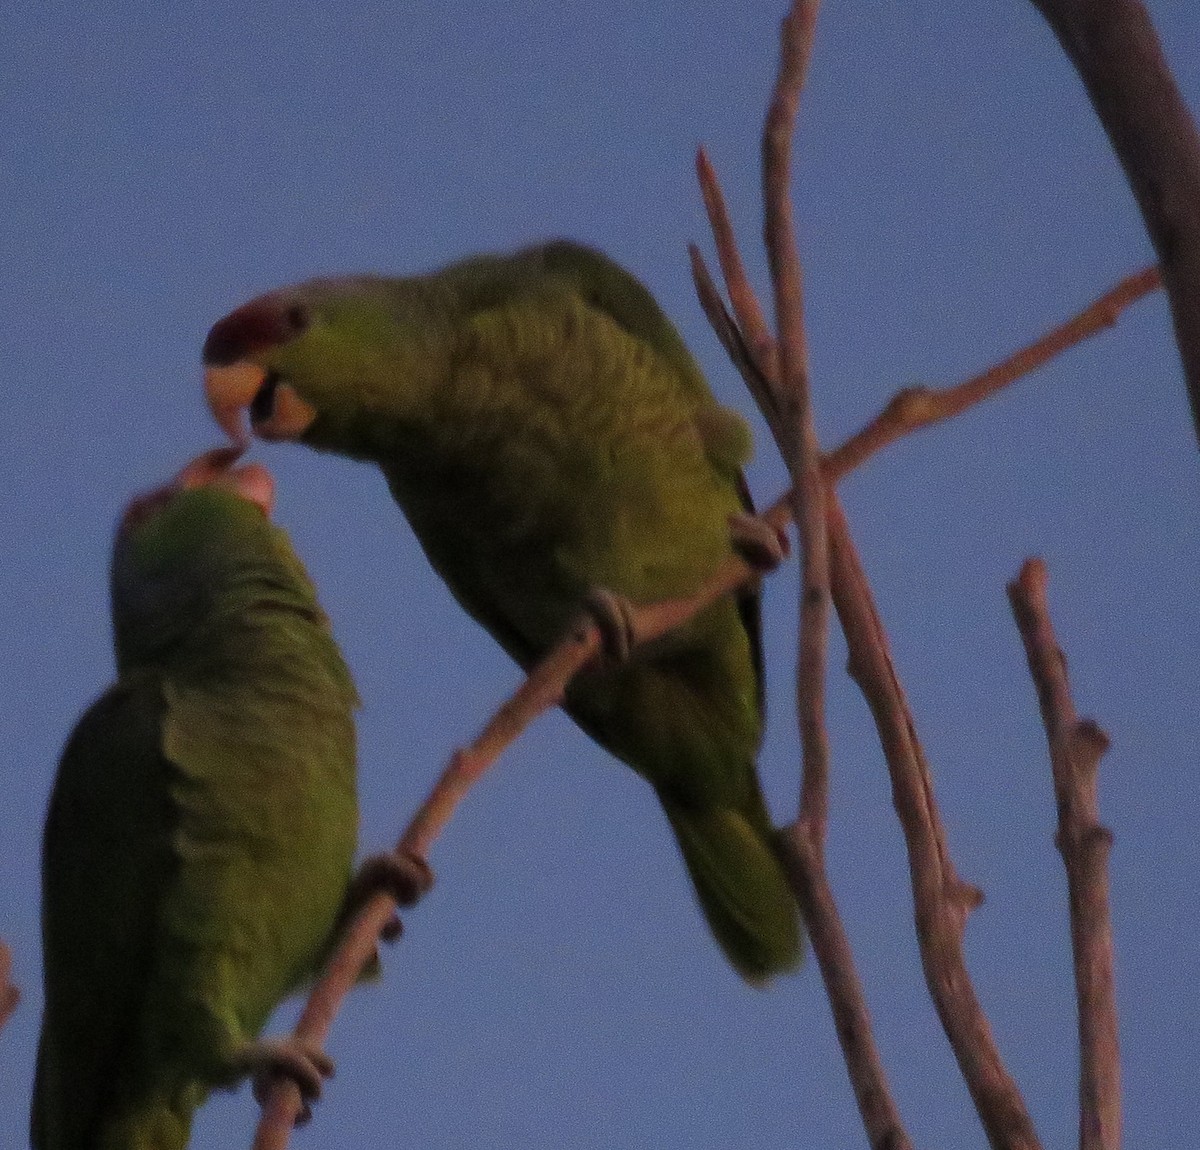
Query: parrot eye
x,y
297,319
262,406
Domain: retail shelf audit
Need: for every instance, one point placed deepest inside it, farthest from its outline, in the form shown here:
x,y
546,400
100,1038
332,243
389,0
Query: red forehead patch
x,y
265,322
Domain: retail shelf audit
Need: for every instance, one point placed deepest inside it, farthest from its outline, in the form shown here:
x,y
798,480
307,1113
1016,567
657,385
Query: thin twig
x,y
799,446
843,988
734,342
910,409
759,340
1076,747
1113,46
788,410
915,407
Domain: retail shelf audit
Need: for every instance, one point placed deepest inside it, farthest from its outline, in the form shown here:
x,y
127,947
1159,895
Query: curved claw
x,y
613,615
268,1059
403,875
762,545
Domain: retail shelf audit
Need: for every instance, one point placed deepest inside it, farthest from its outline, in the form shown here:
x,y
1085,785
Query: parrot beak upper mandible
x,y
229,390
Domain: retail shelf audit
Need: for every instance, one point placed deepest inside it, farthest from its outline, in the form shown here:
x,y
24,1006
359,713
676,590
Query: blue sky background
x,y
162,163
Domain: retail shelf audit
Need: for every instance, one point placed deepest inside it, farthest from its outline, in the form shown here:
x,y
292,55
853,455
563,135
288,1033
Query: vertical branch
x,y
1076,746
800,448
1114,48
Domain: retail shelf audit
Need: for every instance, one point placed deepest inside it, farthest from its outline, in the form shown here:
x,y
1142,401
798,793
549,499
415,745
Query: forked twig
x,y
911,408
1076,747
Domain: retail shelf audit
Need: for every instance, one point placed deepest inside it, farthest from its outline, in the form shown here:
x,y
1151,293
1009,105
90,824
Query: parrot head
x,y
182,546
300,362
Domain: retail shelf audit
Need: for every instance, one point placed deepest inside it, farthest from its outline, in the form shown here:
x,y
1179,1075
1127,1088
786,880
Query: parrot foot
x,y
269,1059
402,874
762,545
613,615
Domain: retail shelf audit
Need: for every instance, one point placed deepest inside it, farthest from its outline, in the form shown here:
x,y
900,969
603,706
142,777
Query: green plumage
x,y
546,432
201,832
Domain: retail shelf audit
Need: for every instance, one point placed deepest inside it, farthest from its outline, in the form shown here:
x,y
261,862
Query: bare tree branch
x,y
759,341
941,900
542,689
1076,746
800,449
913,408
1113,45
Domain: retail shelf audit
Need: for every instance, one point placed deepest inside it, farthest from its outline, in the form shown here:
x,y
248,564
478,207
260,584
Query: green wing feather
x,y
103,884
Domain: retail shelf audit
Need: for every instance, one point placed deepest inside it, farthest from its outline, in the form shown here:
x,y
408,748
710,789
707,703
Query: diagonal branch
x,y
1114,48
760,343
1076,746
913,408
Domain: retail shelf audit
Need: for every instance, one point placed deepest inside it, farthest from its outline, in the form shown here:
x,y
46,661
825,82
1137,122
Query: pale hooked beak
x,y
230,390
277,410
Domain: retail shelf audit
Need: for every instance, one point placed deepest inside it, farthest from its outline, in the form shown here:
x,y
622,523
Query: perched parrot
x,y
553,444
200,837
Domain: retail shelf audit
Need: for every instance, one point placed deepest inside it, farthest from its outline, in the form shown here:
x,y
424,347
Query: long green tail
x,y
742,889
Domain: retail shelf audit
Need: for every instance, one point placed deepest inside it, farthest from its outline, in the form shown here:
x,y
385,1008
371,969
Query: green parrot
x,y
553,444
201,832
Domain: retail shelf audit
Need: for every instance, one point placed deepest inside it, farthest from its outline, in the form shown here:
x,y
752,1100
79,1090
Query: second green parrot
x,y
553,443
201,832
